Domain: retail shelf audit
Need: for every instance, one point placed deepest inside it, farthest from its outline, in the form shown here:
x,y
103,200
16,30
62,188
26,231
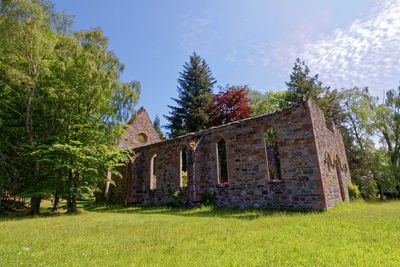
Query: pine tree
x,y
194,90
302,84
157,127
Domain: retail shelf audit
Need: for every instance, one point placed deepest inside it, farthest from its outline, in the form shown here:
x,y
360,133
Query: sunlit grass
x,y
360,233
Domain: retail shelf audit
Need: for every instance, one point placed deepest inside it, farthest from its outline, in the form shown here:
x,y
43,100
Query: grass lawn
x,y
359,233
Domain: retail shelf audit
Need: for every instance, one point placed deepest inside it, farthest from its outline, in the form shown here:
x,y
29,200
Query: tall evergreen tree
x,y
157,127
301,83
194,90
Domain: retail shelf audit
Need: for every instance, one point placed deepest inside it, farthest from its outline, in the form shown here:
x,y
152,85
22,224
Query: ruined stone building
x,y
305,169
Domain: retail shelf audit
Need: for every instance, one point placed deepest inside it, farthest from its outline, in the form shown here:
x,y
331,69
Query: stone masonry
x,y
313,163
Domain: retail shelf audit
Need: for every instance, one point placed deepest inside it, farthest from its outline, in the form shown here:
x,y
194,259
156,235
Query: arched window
x,y
340,178
222,162
272,149
153,171
183,163
142,138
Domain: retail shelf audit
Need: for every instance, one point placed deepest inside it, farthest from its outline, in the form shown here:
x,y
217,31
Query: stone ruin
x,y
306,168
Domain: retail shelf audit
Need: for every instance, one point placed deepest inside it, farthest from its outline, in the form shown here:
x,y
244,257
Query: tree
x,y
62,104
157,127
228,105
302,84
387,120
267,102
27,37
194,90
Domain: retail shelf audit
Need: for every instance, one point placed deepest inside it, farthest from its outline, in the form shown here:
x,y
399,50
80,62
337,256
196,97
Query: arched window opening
x,y
184,168
142,138
222,162
153,171
271,146
340,178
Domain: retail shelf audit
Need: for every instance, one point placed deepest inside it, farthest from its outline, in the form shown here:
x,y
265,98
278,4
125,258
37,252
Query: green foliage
x,y
208,198
354,192
157,126
141,138
267,102
301,83
194,91
368,188
177,198
62,105
387,121
271,141
184,178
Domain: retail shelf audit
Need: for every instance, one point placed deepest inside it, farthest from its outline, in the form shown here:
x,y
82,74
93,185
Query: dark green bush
x,y
208,198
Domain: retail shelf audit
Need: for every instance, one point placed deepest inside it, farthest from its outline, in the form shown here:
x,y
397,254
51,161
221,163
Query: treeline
x,y
370,126
62,105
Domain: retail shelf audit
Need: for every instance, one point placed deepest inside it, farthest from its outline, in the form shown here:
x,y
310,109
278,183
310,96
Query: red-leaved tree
x,y
228,105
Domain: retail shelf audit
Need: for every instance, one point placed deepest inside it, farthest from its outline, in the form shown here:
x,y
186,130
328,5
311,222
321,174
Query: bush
x,y
177,197
354,192
184,179
368,188
208,198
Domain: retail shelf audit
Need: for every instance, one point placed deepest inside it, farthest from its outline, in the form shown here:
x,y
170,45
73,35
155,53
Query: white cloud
x,y
366,53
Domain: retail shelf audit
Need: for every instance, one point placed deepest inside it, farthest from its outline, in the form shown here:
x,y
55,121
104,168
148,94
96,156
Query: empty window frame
x,y
184,167
153,171
222,162
272,150
340,178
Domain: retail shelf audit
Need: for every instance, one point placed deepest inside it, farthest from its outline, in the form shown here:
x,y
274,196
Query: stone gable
x,y
139,131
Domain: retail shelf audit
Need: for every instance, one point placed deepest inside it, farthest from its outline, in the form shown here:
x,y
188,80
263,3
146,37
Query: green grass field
x,y
354,234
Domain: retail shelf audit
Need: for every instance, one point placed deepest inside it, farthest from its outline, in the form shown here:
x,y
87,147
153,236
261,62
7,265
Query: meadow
x,y
353,234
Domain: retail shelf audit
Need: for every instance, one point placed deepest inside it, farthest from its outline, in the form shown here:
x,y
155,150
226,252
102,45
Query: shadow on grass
x,y
203,211
24,213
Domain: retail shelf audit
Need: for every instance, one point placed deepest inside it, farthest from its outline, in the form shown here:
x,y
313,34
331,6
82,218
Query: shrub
x,y
354,192
176,196
368,188
208,198
184,179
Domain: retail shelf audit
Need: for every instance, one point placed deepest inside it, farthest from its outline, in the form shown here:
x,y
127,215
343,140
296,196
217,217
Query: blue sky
x,y
349,43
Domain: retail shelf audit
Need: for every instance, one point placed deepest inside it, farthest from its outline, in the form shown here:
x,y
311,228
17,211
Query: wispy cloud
x,y
197,32
366,53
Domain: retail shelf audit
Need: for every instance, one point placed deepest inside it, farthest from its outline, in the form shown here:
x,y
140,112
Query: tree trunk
x,y
35,205
1,196
56,204
71,204
73,195
398,190
381,197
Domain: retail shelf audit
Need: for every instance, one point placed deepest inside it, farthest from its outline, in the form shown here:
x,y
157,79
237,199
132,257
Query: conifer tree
x,y
303,84
194,91
157,127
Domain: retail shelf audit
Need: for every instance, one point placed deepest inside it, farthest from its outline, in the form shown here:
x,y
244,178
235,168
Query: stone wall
x,y
308,182
332,158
